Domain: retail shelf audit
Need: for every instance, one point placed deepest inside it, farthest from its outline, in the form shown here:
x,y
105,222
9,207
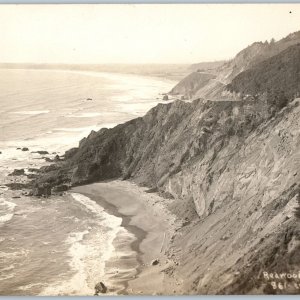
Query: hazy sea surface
x,y
58,246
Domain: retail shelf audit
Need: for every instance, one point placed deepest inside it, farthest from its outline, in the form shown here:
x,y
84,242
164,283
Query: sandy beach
x,y
147,218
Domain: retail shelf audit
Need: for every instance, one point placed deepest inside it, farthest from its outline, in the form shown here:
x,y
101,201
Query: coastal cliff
x,y
231,167
151,149
246,194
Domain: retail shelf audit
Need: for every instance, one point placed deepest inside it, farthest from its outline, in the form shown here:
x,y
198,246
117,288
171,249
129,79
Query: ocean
x,y
59,245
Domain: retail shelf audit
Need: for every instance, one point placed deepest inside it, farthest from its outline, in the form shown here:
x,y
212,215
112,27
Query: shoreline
x,y
143,215
112,209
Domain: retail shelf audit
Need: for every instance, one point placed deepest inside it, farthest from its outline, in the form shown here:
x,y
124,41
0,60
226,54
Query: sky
x,y
128,33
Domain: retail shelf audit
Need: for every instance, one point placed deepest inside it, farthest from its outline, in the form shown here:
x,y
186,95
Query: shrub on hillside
x,y
278,76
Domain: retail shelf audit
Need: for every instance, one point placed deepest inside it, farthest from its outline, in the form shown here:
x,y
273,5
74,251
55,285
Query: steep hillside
x,y
246,193
278,74
244,60
191,84
254,54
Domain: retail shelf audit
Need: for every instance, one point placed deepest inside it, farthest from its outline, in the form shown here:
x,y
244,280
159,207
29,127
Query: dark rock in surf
x,y
56,158
47,159
42,190
50,168
60,188
155,262
42,152
25,149
165,97
33,170
152,190
100,288
17,172
32,176
17,185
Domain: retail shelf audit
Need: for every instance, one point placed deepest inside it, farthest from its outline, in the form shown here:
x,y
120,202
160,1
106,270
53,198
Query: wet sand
x,y
149,228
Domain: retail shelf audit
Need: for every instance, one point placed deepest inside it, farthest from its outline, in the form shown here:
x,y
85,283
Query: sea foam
x,y
85,115
88,251
7,208
31,112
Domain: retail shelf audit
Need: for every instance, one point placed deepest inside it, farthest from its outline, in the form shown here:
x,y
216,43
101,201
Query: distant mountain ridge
x,y
206,66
